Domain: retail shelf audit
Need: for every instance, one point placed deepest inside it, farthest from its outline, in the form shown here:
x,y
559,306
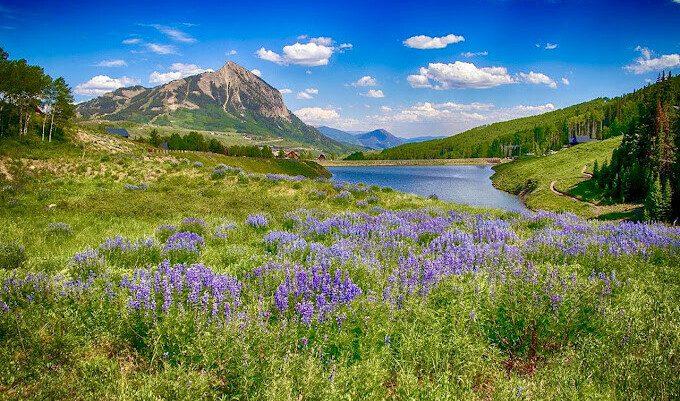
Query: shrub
x,y
193,225
12,255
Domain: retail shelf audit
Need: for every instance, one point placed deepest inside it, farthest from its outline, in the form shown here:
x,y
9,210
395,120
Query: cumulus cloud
x,y
307,93
449,117
269,55
550,46
101,84
111,63
314,53
647,63
317,115
161,49
132,41
285,91
256,72
374,93
385,109
177,71
232,52
538,78
459,75
309,54
365,81
428,42
474,54
345,46
565,81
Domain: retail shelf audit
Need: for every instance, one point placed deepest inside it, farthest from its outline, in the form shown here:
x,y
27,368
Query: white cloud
x,y
459,75
307,93
565,81
645,63
365,81
374,93
161,49
269,55
232,52
385,109
177,71
322,41
428,42
345,46
316,52
308,72
309,54
111,63
550,46
285,91
174,34
132,41
429,118
538,78
317,115
256,72
101,84
474,54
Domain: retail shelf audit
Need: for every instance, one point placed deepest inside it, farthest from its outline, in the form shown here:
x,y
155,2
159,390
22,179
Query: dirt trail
x,y
598,209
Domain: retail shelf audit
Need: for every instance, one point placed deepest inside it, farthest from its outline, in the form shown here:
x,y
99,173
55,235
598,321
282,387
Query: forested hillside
x,y
599,118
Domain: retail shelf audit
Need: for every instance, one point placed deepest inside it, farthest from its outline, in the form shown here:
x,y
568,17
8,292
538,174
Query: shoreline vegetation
x,y
480,161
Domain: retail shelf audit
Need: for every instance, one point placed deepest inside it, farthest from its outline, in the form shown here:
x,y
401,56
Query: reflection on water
x,y
469,185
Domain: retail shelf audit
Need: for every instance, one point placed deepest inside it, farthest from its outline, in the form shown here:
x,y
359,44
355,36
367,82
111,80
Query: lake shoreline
x,y
489,161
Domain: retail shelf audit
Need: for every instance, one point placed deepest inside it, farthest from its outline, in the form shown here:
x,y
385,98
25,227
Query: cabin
x,y
292,155
321,157
122,132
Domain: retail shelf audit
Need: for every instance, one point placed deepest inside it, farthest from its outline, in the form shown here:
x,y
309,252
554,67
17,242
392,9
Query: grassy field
x,y
565,170
142,276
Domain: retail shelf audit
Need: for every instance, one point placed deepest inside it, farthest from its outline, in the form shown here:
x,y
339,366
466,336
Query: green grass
x,y
451,344
565,168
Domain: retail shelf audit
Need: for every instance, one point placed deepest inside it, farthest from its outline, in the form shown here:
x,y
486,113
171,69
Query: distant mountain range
x,y
376,139
231,98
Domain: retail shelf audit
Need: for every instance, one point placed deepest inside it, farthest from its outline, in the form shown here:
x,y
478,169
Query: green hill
x,y
603,117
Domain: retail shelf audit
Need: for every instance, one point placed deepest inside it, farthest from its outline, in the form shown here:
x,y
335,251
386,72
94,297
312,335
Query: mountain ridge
x,y
231,98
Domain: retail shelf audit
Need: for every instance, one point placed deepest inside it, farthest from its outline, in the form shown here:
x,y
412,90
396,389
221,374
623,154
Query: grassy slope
x,y
435,352
85,186
565,168
476,141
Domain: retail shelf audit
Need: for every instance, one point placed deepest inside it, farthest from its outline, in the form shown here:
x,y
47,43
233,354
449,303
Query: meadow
x,y
531,178
135,275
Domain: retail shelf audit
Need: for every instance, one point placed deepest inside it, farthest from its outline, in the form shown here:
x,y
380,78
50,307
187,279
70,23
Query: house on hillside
x,y
122,132
321,157
292,155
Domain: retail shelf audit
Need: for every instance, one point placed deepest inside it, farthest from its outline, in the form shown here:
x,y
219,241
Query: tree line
x,y
31,102
645,168
197,142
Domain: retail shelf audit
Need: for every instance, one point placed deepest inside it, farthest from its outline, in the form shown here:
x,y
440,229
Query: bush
x,y
12,255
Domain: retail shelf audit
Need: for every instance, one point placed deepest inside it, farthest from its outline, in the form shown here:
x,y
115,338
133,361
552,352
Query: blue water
x,y
470,185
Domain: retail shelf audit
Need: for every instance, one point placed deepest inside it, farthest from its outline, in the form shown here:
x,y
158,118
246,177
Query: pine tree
x,y
653,201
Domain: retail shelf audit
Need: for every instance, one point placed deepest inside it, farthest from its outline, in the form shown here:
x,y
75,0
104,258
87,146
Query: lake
x,y
470,185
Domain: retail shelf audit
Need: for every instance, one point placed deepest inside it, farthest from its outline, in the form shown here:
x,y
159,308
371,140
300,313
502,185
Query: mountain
x,y
600,118
379,139
231,98
339,135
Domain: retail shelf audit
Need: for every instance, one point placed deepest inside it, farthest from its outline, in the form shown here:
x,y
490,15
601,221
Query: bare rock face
x,y
231,98
232,88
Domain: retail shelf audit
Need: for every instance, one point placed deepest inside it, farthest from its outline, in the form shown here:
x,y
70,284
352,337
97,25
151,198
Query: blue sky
x,y
434,67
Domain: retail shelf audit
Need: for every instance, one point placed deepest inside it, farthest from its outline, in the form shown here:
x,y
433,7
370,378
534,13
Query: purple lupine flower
x,y
184,241
257,221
